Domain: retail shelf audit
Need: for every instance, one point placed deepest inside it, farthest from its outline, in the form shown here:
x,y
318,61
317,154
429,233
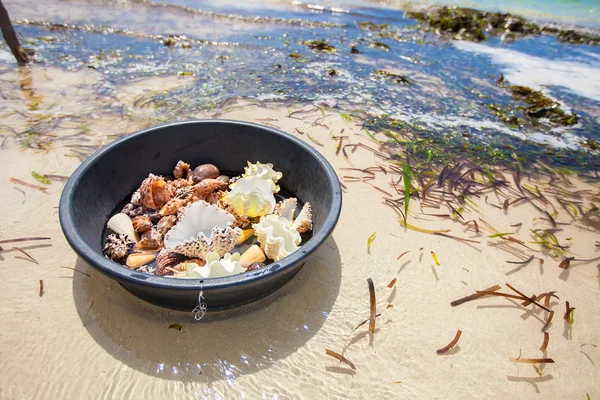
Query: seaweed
x,y
540,106
370,241
400,256
29,185
392,283
76,270
373,305
364,322
33,260
520,360
400,79
41,287
435,259
450,345
341,358
569,313
41,178
475,296
175,326
319,45
548,321
544,345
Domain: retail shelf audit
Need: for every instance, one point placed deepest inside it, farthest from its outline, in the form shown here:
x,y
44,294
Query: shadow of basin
x,y
224,344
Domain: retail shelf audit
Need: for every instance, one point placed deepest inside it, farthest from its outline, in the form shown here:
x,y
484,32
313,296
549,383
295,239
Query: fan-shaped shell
x,y
202,228
263,171
276,236
216,266
251,197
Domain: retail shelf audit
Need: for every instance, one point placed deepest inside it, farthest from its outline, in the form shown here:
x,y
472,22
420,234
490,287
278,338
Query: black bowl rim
x,y
124,274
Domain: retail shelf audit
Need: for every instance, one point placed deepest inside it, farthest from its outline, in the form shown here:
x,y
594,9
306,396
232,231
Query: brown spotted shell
x,y
166,259
255,266
206,187
154,192
136,198
172,207
225,180
205,171
182,170
166,223
150,240
142,223
214,198
117,247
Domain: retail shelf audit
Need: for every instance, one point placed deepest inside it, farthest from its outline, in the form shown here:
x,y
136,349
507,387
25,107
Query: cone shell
x,y
206,187
136,260
246,234
154,192
254,254
121,224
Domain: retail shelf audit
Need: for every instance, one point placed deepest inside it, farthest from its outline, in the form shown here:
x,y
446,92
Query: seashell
x,y
177,184
205,171
207,186
172,207
263,171
254,254
303,222
153,215
202,228
255,266
286,208
117,246
128,208
225,180
136,198
216,266
251,197
166,223
142,223
238,220
154,192
214,198
121,223
184,192
166,259
182,170
150,240
276,236
136,260
246,234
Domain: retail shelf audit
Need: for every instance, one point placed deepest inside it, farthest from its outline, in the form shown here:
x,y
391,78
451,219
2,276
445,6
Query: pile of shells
x,y
186,225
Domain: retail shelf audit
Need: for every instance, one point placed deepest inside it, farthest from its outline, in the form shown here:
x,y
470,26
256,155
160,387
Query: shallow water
x,y
92,83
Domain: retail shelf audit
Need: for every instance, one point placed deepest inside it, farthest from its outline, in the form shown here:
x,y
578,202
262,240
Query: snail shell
x,y
166,223
182,170
205,171
206,187
154,192
150,240
142,223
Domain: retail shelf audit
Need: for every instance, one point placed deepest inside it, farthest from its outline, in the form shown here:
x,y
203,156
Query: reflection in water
x,y
225,344
32,99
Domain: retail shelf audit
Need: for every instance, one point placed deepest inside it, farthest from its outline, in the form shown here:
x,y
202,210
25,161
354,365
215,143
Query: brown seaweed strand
x,y
474,296
548,321
341,358
372,304
545,343
451,344
527,298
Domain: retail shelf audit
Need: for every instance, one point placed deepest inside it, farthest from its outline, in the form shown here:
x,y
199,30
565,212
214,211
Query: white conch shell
x,y
276,236
303,222
287,208
201,229
251,197
263,171
121,223
216,266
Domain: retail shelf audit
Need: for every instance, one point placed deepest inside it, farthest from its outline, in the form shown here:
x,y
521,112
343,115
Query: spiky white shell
x,y
216,266
202,228
276,236
263,171
286,208
303,222
251,197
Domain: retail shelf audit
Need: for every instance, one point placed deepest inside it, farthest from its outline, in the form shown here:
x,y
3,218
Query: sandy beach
x,y
87,337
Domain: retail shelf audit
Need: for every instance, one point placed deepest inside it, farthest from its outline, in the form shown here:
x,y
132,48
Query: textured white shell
x,y
263,171
198,218
121,223
276,237
217,267
303,222
203,228
251,197
286,208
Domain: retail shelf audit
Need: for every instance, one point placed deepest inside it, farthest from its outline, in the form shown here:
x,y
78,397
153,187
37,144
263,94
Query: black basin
x,y
111,174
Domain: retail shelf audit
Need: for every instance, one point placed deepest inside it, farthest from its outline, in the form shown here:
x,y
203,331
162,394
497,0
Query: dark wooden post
x,y
10,36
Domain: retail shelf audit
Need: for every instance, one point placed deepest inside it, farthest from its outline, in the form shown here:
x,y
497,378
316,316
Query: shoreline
x,y
277,345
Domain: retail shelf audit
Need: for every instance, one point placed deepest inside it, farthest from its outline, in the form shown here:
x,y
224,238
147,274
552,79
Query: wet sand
x,y
88,337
